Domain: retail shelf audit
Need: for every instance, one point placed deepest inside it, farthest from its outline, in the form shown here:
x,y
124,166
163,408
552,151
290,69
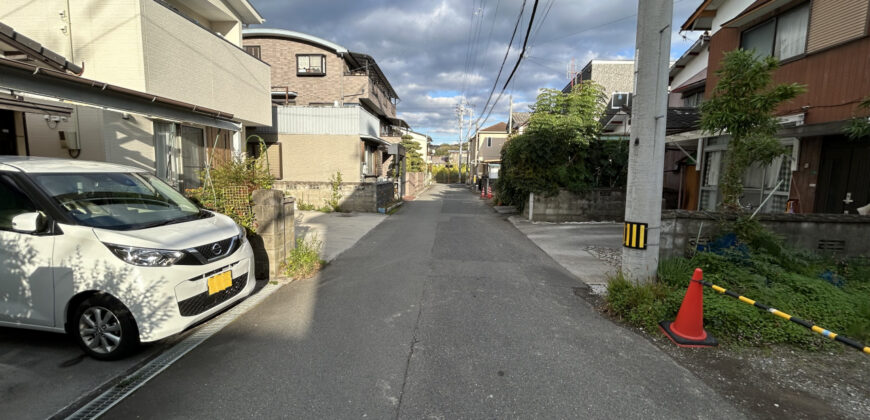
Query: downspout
x,y
341,81
75,120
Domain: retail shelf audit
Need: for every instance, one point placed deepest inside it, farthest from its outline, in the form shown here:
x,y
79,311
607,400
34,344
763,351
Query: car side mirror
x,y
28,222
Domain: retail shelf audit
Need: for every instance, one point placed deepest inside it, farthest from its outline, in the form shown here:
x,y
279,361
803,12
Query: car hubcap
x,y
100,329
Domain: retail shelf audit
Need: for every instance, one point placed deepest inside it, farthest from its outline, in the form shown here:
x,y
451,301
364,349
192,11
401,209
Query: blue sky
x,y
437,52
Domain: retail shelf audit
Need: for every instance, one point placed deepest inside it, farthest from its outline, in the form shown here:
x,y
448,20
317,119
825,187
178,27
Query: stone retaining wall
x,y
842,234
595,205
276,232
386,194
415,183
355,196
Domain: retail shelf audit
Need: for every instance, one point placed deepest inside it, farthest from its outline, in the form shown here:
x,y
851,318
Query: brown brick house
x,y
823,44
334,110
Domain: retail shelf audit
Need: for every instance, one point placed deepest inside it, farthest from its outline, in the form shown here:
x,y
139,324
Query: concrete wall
x,y
595,205
276,232
614,76
415,183
386,193
355,196
310,157
844,234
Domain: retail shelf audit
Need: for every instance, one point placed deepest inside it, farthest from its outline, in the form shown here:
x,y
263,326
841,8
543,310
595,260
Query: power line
x,y
525,42
468,46
481,10
503,61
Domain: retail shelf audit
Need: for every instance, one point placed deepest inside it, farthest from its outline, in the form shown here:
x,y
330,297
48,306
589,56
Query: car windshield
x,y
119,201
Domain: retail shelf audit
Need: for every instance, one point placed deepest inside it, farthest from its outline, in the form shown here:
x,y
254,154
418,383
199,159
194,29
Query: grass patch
x,y
304,260
832,293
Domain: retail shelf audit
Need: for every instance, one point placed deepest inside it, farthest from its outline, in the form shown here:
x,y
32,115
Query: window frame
x,y
776,27
250,49
311,74
489,142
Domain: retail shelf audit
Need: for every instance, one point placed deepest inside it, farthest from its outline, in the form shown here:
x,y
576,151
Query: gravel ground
x,y
612,256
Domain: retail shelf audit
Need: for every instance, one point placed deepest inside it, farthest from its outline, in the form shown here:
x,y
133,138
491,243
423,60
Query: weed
x,y
761,268
305,206
304,260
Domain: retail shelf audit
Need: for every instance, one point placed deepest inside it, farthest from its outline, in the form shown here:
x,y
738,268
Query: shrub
x,y
304,260
834,294
227,187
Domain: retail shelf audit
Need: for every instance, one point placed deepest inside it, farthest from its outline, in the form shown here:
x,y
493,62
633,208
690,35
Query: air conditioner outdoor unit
x,y
620,100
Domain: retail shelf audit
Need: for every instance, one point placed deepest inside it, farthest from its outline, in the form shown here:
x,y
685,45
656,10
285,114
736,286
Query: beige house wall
x,y
202,68
308,157
483,152
104,35
129,141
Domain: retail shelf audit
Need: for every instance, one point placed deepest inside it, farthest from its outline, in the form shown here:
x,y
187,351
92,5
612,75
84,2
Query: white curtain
x,y
791,32
713,161
164,152
772,176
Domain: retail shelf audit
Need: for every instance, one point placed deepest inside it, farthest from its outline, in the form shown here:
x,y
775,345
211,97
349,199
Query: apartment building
x,y
334,109
159,84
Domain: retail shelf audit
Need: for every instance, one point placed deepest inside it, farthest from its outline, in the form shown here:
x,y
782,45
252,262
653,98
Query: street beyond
x,y
445,310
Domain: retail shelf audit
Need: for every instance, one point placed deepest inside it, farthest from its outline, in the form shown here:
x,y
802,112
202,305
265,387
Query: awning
x,y
377,140
398,122
28,78
33,107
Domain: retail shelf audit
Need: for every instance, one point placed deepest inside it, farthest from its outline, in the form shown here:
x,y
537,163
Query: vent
x,y
831,245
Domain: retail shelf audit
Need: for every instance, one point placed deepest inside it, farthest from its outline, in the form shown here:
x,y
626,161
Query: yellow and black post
x,y
634,235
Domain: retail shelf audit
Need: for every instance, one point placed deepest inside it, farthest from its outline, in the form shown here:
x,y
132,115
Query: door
x,y
192,156
8,140
844,176
26,274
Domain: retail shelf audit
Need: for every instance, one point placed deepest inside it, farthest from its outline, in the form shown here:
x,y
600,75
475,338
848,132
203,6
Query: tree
x,y
742,106
859,126
413,158
444,149
559,151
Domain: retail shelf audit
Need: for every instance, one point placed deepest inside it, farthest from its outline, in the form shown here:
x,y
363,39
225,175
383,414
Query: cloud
x,y
437,52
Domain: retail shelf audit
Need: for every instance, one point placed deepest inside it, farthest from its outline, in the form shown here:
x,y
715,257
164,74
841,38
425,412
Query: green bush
x,y
223,184
834,294
304,260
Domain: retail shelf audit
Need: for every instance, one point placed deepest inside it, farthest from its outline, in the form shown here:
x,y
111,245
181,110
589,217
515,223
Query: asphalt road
x,y
444,310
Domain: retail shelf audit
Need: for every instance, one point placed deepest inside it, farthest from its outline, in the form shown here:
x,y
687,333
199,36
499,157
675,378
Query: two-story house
x,y
159,84
485,149
823,44
334,109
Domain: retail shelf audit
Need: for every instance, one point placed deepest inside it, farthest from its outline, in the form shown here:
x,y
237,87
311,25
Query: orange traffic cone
x,y
688,329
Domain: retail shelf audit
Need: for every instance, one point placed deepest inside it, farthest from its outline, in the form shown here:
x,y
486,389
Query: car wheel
x,y
104,328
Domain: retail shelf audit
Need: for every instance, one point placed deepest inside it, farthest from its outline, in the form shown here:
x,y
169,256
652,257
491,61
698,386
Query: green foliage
x,y
444,149
335,197
559,152
304,260
223,184
767,271
444,175
413,159
859,127
305,206
742,106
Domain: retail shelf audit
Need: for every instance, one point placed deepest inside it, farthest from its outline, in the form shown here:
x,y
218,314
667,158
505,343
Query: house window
x,y
783,36
311,65
489,142
759,180
253,50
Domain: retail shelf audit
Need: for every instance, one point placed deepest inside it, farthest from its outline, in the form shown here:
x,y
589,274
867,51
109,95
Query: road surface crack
x,y
412,346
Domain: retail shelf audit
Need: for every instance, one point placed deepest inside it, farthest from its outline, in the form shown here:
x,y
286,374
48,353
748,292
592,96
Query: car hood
x,y
175,236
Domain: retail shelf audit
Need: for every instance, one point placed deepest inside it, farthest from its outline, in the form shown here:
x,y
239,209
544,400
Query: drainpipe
x,y
73,153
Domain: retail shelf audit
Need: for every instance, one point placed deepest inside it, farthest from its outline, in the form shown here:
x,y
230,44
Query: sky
x,y
436,53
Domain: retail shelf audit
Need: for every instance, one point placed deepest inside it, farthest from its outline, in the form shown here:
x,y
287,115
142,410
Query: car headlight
x,y
243,233
146,257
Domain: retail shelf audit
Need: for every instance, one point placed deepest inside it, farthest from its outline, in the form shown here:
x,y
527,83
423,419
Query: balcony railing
x,y
351,120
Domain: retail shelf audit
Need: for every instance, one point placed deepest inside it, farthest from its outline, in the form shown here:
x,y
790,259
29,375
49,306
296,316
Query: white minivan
x,y
111,254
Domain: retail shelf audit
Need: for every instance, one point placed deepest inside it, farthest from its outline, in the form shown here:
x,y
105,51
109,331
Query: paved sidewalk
x,y
589,251
337,231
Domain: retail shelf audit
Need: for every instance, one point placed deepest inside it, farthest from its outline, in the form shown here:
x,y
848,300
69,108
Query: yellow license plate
x,y
220,282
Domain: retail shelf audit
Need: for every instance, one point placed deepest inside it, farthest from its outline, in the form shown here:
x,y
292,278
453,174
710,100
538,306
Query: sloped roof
x,y
520,118
12,41
498,128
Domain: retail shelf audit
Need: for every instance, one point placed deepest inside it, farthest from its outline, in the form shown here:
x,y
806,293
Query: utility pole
x,y
643,203
460,110
510,115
